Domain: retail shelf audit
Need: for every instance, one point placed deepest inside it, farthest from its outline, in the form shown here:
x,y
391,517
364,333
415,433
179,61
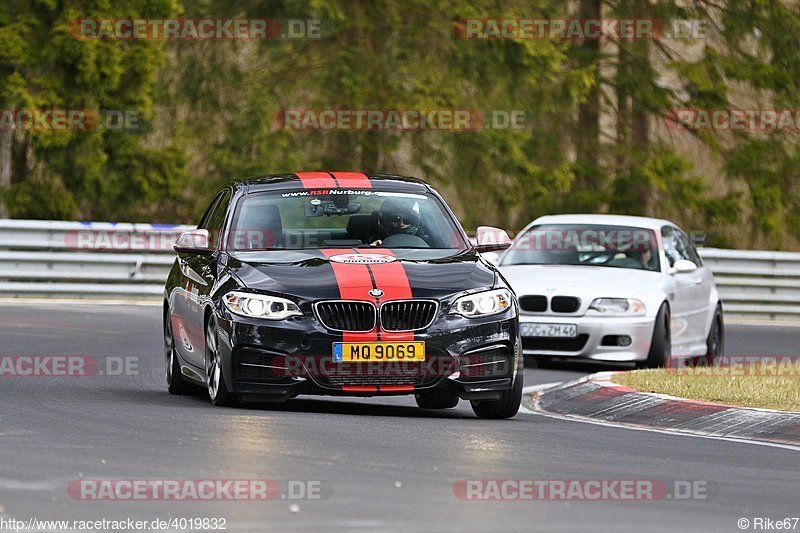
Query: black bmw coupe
x,y
340,283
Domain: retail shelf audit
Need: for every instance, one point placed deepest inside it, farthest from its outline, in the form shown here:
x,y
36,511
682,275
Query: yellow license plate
x,y
378,352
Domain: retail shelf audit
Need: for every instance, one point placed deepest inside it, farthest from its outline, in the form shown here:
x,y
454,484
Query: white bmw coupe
x,y
613,288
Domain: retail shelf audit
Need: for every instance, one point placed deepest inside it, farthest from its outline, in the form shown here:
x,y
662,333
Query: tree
x,y
45,66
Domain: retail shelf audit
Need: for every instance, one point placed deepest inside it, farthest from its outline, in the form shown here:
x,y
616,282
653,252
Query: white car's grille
x,y
538,303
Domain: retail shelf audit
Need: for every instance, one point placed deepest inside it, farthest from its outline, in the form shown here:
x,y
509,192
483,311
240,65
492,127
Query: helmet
x,y
398,216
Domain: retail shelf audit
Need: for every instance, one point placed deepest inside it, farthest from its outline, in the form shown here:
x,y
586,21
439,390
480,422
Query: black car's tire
x,y
436,400
506,407
175,383
660,354
215,379
715,342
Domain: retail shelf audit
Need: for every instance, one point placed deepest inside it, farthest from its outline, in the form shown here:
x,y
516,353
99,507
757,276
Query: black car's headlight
x,y
261,306
482,303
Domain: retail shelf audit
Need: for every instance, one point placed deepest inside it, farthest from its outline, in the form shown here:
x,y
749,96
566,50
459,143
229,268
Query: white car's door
x,y
703,281
687,295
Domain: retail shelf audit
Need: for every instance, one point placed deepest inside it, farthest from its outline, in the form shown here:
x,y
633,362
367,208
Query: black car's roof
x,y
292,181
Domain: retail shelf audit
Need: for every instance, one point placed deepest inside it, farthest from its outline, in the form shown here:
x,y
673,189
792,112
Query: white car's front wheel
x,y
715,342
660,354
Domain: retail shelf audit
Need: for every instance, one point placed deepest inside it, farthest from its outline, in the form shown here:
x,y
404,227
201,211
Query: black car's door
x,y
199,274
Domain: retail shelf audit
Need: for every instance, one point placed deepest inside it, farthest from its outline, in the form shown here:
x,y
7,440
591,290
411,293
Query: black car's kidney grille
x,y
344,315
408,315
564,304
533,303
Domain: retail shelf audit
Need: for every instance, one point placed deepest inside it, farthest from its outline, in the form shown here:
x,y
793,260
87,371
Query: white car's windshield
x,y
585,244
303,219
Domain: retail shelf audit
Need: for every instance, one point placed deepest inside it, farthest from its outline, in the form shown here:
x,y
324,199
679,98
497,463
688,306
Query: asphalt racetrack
x,y
382,463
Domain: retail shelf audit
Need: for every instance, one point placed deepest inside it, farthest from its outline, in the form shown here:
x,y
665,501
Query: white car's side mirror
x,y
683,266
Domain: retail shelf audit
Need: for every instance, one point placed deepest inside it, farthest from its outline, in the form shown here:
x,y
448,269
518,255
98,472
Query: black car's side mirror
x,y
193,242
491,239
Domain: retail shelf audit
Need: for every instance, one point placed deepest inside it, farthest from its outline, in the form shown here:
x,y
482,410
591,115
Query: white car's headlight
x,y
482,303
261,306
618,306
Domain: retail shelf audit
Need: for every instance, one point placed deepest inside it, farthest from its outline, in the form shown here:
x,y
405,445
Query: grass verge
x,y
768,392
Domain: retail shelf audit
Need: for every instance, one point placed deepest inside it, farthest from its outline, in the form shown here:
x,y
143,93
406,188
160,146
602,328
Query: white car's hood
x,y
581,281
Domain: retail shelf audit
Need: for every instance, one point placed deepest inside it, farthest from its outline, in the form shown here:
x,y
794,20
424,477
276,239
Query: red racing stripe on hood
x,y
392,279
354,282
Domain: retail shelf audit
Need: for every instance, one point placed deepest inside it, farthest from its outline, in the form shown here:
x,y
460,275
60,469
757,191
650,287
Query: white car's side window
x,y
669,245
674,247
690,250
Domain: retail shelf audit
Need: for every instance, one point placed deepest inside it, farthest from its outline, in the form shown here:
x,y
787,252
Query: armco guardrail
x,y
102,260
87,236
755,284
98,260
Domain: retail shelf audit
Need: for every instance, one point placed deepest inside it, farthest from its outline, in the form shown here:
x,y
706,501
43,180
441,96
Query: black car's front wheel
x,y
175,382
215,380
506,407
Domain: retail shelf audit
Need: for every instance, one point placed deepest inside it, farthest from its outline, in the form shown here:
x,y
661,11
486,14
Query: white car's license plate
x,y
529,329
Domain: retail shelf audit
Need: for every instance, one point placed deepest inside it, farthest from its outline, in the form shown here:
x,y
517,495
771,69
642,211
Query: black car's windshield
x,y
585,244
333,218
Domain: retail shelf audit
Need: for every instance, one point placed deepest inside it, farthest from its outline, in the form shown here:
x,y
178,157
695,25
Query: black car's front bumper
x,y
475,359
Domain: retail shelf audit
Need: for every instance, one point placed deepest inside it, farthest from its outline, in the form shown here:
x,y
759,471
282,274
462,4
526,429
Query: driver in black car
x,y
396,217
